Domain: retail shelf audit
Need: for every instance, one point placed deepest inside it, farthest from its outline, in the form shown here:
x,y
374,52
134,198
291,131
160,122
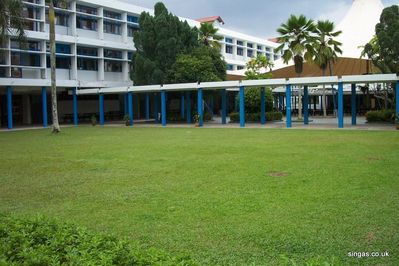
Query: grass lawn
x,y
225,196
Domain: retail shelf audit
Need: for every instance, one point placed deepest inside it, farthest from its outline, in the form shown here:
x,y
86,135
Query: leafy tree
x,y
296,43
372,50
255,67
159,41
208,35
326,50
204,63
11,20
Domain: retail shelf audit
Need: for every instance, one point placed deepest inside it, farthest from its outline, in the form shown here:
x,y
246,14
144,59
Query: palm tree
x,y
11,20
208,35
296,43
326,50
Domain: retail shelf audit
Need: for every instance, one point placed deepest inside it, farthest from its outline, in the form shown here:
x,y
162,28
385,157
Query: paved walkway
x,y
318,123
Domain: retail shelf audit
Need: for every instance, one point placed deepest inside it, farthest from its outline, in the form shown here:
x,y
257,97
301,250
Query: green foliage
x,y
255,117
41,241
208,35
252,100
387,32
93,120
126,119
372,50
204,63
159,41
381,116
257,67
12,18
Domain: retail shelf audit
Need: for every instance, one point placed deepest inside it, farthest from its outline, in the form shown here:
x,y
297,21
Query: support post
x,y
200,108
242,106
262,106
340,105
163,107
130,107
288,106
44,107
224,106
101,105
182,105
306,105
9,108
147,106
353,104
188,109
397,101
75,107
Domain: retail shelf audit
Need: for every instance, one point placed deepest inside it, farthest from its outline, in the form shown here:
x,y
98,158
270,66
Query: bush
x,y
381,116
43,242
252,100
255,117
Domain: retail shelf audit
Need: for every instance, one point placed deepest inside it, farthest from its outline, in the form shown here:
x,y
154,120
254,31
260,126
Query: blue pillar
x,y
75,107
130,106
397,101
163,107
156,108
9,107
44,106
306,105
200,108
188,109
288,106
182,105
340,105
242,107
353,104
147,106
224,106
262,106
101,104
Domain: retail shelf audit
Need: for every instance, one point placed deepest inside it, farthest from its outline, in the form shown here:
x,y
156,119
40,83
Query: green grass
x,y
226,196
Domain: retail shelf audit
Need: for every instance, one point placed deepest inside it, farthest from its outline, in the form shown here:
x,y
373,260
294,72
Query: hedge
x,y
40,241
381,116
255,117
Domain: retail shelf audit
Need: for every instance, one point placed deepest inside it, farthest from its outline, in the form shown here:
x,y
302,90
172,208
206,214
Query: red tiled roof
x,y
210,19
273,40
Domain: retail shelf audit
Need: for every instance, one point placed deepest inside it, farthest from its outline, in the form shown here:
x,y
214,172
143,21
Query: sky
x,y
256,17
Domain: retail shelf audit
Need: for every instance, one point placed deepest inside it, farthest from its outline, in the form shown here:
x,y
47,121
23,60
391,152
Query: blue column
x,y
353,104
44,106
262,106
340,105
306,105
130,106
397,101
75,107
224,106
163,107
188,109
101,105
9,107
147,106
182,105
242,107
156,108
288,106
200,108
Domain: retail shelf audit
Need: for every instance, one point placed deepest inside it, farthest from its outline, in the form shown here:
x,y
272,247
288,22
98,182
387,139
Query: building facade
x,y
94,45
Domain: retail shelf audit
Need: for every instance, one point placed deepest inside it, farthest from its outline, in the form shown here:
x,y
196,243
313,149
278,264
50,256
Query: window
x,y
112,28
86,23
29,45
250,45
60,48
268,56
130,55
240,67
230,67
60,19
229,49
240,43
132,19
240,51
276,57
87,64
24,59
61,4
30,12
250,53
87,51
260,47
3,59
61,62
112,54
110,14
229,40
131,31
86,9
112,66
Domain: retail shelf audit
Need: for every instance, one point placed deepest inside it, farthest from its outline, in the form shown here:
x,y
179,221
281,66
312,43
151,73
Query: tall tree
x,y
257,68
208,35
296,43
11,20
326,50
159,41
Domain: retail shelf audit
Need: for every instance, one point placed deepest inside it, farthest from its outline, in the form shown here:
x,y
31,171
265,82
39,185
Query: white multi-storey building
x,y
94,47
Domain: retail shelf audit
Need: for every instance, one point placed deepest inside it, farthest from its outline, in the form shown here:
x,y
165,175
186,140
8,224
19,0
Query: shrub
x,y
44,242
255,117
381,116
252,100
93,120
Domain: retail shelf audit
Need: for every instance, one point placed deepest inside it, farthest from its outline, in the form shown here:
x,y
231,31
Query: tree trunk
x,y
56,126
